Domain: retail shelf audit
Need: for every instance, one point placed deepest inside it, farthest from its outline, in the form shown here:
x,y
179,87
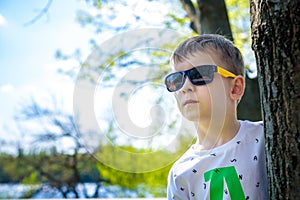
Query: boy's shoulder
x,y
250,126
252,123
252,131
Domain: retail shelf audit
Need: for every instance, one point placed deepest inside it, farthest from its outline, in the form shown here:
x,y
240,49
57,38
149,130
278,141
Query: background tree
x,y
56,155
212,17
276,42
58,158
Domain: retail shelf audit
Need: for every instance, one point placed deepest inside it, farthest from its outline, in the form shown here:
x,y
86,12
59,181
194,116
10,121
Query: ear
x,y
238,88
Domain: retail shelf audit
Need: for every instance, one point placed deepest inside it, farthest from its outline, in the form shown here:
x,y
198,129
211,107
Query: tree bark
x,y
276,41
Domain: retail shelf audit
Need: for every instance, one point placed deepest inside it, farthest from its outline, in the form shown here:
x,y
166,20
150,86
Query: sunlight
x,y
3,21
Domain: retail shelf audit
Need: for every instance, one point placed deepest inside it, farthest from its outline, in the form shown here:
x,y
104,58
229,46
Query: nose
x,y
187,86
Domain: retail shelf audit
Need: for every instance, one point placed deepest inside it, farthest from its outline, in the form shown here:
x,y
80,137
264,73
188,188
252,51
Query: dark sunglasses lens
x,y
174,81
201,75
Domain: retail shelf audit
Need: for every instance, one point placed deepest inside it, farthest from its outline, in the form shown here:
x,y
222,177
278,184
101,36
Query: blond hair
x,y
218,45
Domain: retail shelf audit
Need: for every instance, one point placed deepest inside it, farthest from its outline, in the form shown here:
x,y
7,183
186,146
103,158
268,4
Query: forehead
x,y
200,58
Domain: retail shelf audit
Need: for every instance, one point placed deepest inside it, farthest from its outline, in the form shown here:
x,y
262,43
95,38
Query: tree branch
x,y
42,12
193,14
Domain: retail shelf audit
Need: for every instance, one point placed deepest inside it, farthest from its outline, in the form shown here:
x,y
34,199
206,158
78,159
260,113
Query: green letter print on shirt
x,y
216,178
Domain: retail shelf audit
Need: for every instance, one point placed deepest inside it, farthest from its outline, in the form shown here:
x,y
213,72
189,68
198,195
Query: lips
x,y
189,102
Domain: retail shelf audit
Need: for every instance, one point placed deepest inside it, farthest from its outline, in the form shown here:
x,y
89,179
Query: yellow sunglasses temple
x,y
225,72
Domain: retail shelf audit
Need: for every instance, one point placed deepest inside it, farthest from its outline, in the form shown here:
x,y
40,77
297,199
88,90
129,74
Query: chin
x,y
191,117
196,116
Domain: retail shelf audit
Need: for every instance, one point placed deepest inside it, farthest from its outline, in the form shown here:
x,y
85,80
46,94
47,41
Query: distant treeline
x,y
65,171
26,168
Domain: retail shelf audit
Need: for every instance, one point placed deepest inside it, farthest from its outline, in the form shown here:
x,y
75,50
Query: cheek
x,y
178,100
203,94
219,96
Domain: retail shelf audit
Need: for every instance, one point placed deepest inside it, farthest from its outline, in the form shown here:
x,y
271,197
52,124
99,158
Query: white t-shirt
x,y
235,170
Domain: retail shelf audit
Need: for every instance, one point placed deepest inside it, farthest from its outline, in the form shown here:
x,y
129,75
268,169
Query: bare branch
x,y
40,15
193,14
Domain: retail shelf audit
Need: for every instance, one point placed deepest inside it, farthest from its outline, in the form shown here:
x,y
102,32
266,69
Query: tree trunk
x,y
211,17
214,18
208,17
276,41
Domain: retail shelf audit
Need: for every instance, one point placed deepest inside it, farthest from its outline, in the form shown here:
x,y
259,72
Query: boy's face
x,y
205,102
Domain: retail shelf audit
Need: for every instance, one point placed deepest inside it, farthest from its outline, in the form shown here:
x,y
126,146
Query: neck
x,y
213,133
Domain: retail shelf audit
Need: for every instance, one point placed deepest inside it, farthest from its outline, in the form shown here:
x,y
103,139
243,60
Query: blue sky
x,y
27,60
26,49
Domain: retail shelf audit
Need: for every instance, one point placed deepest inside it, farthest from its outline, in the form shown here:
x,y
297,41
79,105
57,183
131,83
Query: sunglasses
x,y
199,75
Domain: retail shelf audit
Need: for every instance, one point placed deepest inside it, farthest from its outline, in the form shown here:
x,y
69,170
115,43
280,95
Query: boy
x,y
228,159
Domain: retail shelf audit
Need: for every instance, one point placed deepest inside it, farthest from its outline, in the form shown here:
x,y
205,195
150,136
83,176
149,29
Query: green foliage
x,y
5,161
181,21
32,179
154,182
134,166
13,169
55,171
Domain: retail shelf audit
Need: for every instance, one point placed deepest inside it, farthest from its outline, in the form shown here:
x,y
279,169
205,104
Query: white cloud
x,y
3,21
7,88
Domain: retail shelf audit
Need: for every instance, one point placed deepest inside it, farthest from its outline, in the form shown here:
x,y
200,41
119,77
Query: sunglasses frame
x,y
220,70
